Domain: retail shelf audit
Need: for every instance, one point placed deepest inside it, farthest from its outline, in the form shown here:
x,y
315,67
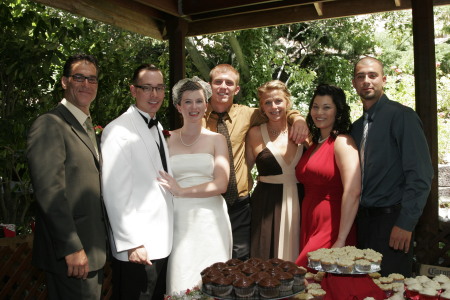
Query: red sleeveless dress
x,y
321,206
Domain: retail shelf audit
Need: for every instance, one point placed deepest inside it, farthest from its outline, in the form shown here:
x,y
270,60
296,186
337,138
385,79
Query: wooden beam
x,y
260,7
319,8
167,6
301,13
426,107
125,14
176,30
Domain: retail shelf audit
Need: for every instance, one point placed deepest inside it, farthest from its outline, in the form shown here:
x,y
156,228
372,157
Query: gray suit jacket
x,y
65,174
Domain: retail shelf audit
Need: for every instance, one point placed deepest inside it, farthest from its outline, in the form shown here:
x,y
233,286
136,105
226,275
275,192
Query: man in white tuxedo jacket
x,y
139,210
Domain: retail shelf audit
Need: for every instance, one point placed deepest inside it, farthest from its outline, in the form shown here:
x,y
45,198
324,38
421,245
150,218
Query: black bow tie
x,y
152,122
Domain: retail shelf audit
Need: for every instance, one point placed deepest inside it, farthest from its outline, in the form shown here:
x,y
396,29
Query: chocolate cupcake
x,y
230,270
299,275
204,271
265,266
222,286
274,270
236,276
269,287
207,285
244,265
276,261
219,265
250,270
234,262
287,281
260,275
254,261
244,287
287,265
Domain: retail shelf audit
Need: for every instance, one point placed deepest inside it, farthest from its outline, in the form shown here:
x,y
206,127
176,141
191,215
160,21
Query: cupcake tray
x,y
256,296
354,272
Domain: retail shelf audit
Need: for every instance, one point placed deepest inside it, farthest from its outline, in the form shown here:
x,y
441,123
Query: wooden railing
x,y
19,279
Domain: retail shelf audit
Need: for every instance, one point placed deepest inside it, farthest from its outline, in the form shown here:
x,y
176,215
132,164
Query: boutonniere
x,y
98,129
166,133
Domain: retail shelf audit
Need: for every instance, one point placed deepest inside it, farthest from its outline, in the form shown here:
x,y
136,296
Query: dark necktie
x,y
363,147
162,153
91,133
232,193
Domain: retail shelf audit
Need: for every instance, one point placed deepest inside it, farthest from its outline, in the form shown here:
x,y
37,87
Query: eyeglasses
x,y
148,88
82,78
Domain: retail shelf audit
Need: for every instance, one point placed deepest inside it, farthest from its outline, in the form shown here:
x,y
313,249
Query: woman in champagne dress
x,y
199,160
275,225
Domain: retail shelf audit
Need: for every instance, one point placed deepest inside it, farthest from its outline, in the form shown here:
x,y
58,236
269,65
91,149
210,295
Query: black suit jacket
x,y
65,174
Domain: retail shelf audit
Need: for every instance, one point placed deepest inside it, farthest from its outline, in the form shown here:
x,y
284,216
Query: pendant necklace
x,y
277,133
195,141
320,141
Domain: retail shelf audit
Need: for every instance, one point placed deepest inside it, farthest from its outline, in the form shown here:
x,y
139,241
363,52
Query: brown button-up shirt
x,y
239,120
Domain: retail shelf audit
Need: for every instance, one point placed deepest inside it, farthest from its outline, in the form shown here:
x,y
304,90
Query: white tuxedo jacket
x,y
140,211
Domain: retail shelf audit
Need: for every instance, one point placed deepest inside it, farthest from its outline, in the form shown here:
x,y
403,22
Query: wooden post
x,y
426,107
176,31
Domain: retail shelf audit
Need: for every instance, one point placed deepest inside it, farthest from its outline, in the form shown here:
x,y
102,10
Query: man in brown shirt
x,y
224,80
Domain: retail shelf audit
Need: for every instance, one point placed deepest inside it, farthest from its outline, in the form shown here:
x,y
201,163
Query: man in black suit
x,y
64,160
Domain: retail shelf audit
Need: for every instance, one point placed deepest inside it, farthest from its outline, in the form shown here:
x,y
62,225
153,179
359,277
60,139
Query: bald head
x,y
367,60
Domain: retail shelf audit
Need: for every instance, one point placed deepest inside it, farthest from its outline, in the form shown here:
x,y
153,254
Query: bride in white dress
x,y
199,160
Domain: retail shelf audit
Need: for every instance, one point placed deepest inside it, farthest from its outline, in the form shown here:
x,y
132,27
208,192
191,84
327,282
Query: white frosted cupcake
x,y
318,294
386,280
422,279
363,265
328,263
386,288
445,295
441,278
313,286
428,294
397,277
345,265
432,285
410,281
314,260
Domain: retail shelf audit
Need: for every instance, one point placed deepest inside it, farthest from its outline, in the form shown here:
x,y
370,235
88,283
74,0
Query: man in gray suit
x,y
64,160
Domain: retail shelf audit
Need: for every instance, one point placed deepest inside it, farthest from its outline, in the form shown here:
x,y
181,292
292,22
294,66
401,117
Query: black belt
x,y
239,203
378,211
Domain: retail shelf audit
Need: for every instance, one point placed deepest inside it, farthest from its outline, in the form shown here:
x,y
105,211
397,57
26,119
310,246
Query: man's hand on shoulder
x,y
400,239
299,130
77,264
138,255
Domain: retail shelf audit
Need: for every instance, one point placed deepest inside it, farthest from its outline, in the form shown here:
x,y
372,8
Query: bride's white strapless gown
x,y
202,231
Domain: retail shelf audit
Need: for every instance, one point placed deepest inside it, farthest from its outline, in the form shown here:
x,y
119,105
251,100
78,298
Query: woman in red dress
x,y
330,173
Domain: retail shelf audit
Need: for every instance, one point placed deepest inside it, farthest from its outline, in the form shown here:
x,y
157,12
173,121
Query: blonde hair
x,y
275,85
224,68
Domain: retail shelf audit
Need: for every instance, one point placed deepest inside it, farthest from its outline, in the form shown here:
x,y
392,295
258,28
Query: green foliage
x,y
36,40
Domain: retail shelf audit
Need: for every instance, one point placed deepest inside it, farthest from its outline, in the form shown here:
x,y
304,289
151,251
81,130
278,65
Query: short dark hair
x,y
342,123
67,70
368,58
148,67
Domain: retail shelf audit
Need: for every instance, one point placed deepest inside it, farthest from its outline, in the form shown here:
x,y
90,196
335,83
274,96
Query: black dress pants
x,y
374,231
133,281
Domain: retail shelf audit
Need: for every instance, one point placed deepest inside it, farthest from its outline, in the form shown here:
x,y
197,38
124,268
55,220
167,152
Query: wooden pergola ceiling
x,y
150,17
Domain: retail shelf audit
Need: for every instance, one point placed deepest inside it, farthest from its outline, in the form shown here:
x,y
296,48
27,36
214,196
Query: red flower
x,y
98,129
166,133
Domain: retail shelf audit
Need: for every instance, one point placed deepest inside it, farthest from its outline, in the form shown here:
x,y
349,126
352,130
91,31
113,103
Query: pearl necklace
x,y
195,141
277,133
320,141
